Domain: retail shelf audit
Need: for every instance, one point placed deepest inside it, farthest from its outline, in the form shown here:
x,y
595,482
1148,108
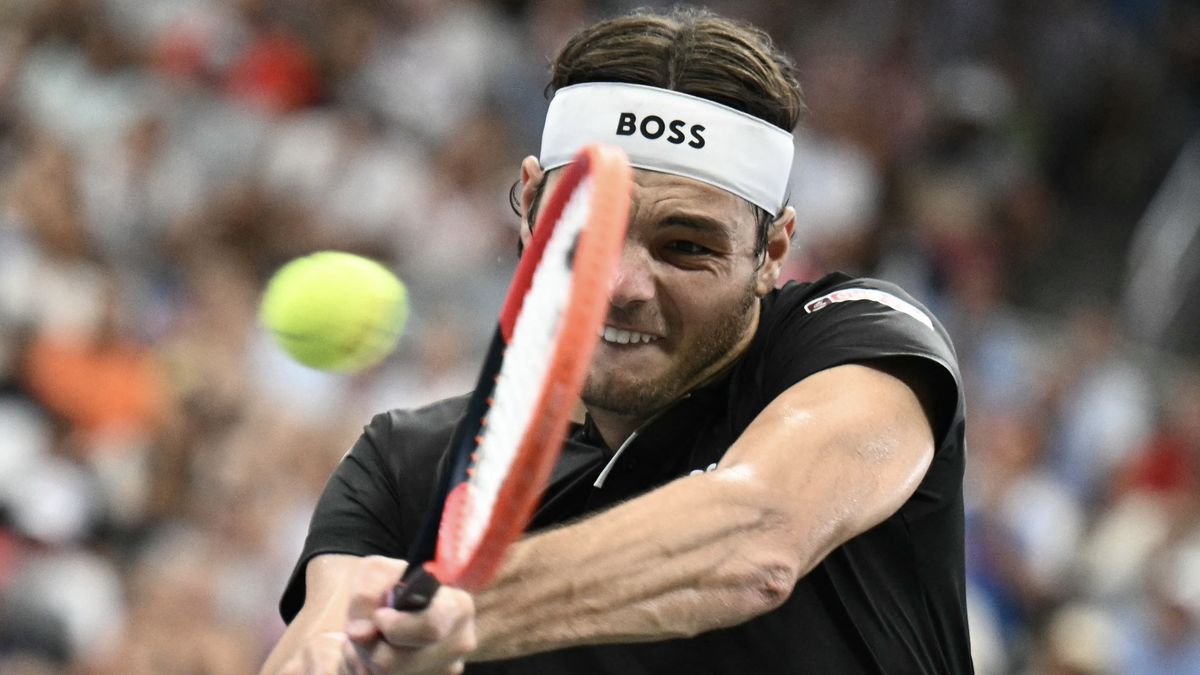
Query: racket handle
x,y
415,590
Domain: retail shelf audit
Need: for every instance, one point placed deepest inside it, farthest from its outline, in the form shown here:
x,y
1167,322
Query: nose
x,y
633,281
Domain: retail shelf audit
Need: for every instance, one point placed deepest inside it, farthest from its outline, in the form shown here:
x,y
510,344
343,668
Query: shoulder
x,y
806,328
848,314
854,295
399,451
432,419
373,502
416,433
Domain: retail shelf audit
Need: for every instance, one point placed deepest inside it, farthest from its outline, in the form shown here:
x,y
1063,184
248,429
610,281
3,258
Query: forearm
x,y
698,554
324,612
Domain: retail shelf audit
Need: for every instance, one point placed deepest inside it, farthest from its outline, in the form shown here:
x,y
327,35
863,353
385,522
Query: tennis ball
x,y
335,311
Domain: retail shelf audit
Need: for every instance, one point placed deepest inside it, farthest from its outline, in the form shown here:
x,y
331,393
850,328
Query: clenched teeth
x,y
624,337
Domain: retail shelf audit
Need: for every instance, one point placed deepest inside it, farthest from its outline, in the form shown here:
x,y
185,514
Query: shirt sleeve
x,y
859,321
378,493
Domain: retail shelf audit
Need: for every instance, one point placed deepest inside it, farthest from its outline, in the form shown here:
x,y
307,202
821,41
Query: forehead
x,y
655,190
661,196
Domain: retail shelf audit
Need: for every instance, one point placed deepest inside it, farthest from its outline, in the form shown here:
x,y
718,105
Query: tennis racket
x,y
501,454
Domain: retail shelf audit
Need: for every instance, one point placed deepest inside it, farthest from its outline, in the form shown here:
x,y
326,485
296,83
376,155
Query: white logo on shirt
x,y
881,297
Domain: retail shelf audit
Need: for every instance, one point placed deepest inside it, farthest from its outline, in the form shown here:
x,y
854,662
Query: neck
x,y
614,428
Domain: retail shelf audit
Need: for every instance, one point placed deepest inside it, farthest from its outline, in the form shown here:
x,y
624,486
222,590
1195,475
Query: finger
x,y
322,656
455,638
448,612
381,657
449,657
292,667
375,577
356,660
434,641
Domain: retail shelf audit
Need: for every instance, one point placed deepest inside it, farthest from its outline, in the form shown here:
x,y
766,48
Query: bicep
x,y
327,595
834,455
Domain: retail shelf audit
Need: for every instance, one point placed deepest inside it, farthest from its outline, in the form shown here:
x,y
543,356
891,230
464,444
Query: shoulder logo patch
x,y
881,297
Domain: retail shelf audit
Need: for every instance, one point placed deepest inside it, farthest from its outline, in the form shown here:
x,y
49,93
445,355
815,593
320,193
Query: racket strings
x,y
520,381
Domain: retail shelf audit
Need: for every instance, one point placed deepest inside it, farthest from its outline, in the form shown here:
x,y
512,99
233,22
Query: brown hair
x,y
690,50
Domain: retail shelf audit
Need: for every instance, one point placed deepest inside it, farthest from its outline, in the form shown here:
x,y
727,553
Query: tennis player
x,y
768,479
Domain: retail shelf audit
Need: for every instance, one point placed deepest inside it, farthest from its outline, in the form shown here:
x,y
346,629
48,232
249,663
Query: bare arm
x,y
830,458
327,598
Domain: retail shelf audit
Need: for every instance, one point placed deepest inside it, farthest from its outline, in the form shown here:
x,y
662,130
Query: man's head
x,y
708,231
688,50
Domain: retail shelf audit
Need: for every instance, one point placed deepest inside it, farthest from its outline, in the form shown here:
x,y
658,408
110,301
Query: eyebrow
x,y
700,223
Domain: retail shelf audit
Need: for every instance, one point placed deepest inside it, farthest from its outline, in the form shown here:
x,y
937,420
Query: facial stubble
x,y
642,397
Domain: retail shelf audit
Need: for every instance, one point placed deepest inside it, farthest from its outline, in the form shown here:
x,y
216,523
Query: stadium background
x,y
1023,167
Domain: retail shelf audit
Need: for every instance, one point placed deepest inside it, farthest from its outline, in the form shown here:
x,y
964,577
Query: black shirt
x,y
891,600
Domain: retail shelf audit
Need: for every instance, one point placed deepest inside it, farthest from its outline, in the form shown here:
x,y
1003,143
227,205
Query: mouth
x,y
622,336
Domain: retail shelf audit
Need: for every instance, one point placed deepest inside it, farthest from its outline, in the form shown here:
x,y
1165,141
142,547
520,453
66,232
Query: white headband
x,y
675,133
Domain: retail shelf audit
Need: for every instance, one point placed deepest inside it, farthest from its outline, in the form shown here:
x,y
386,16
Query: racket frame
x,y
594,259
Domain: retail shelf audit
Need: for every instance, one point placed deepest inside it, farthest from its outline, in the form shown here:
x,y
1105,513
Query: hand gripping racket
x,y
501,454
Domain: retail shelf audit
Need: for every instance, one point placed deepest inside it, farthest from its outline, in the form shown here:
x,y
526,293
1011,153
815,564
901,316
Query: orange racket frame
x,y
592,260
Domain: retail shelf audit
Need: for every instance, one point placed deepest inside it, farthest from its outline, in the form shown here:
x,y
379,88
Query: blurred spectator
x,y
1163,634
1105,411
1168,464
1079,640
274,72
100,382
1024,526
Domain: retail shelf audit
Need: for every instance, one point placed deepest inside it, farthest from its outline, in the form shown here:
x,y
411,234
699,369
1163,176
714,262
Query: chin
x,y
626,396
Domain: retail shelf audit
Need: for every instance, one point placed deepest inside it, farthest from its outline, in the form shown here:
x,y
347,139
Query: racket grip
x,y
415,590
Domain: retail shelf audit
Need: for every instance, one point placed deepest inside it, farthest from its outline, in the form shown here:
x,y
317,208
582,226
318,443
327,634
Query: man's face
x,y
684,301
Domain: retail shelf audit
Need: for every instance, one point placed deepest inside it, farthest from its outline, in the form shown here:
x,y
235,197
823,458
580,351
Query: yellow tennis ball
x,y
335,311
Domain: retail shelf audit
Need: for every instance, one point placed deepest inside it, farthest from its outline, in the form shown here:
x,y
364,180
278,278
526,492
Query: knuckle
x,y
350,656
380,659
467,642
377,565
433,631
455,606
466,604
373,577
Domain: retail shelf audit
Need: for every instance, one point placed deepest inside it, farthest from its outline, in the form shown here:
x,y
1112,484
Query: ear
x,y
779,242
531,178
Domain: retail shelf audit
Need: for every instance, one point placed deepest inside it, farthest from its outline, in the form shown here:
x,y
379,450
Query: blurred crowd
x,y
159,159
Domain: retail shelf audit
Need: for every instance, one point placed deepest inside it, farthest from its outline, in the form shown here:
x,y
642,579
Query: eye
x,y
688,247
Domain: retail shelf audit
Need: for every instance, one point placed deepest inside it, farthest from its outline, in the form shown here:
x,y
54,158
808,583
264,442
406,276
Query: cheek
x,y
700,303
